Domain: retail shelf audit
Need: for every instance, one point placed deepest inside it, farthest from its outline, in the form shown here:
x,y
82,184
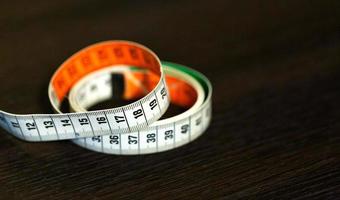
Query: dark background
x,y
275,70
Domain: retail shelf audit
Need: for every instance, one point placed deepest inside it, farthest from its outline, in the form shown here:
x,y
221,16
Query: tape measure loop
x,y
103,71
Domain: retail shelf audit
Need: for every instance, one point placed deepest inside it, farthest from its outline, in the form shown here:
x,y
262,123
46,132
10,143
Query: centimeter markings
x,y
55,128
129,108
160,137
82,124
75,132
157,101
37,128
20,127
90,123
166,128
108,122
141,105
127,123
172,133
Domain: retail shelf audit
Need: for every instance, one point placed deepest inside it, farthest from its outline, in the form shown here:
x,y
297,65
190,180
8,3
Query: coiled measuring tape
x,y
85,79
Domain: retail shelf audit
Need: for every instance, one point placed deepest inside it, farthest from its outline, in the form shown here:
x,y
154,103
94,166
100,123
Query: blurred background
x,y
274,66
216,37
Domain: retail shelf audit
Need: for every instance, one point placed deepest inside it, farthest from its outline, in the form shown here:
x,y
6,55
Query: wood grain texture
x,y
275,70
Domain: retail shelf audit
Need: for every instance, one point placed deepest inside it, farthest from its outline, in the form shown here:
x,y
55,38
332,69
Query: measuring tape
x,y
96,73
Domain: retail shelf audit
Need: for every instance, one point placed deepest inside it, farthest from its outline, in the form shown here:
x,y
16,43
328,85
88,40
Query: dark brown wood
x,y
274,65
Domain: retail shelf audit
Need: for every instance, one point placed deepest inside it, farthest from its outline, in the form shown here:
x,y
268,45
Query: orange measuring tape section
x,y
97,57
181,93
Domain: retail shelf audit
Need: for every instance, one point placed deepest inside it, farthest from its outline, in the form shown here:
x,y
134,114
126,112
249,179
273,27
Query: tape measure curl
x,y
130,129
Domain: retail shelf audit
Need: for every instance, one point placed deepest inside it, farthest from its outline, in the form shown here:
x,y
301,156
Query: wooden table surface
x,y
274,66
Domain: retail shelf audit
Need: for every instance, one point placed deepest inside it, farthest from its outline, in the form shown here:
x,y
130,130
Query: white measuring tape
x,y
85,79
